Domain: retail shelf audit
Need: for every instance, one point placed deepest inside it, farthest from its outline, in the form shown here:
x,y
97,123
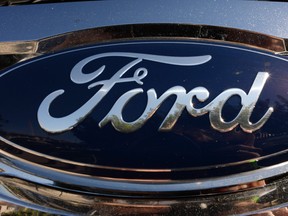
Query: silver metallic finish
x,y
153,103
267,17
57,125
17,168
79,77
248,102
262,197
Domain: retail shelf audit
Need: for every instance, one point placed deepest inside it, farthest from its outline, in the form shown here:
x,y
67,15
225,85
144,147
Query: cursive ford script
x,y
183,98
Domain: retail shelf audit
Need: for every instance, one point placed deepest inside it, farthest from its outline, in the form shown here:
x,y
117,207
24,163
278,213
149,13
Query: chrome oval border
x,y
123,168
15,167
22,169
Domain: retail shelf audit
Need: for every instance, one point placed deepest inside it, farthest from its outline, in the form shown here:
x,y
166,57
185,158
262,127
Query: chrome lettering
x,y
183,98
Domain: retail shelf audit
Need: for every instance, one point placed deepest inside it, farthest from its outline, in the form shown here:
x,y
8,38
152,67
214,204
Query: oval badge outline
x,y
92,47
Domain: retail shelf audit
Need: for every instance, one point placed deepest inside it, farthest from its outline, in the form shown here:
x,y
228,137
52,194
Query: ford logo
x,y
183,99
139,109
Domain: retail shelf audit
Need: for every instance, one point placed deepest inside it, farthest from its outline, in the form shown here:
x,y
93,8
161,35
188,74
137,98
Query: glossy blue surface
x,y
32,22
59,191
191,143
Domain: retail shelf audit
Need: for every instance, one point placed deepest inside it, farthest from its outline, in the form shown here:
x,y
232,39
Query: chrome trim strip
x,y
265,196
13,166
143,31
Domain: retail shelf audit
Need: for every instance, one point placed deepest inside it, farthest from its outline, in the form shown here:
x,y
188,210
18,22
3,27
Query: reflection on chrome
x,y
256,200
184,100
223,196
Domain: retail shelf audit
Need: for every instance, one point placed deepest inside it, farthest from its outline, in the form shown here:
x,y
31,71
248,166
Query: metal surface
x,y
52,19
239,200
33,178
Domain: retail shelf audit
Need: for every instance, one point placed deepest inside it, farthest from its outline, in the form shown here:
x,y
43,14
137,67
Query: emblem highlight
x,y
183,98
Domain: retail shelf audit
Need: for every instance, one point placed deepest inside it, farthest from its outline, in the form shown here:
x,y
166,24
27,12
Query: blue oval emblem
x,y
139,109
